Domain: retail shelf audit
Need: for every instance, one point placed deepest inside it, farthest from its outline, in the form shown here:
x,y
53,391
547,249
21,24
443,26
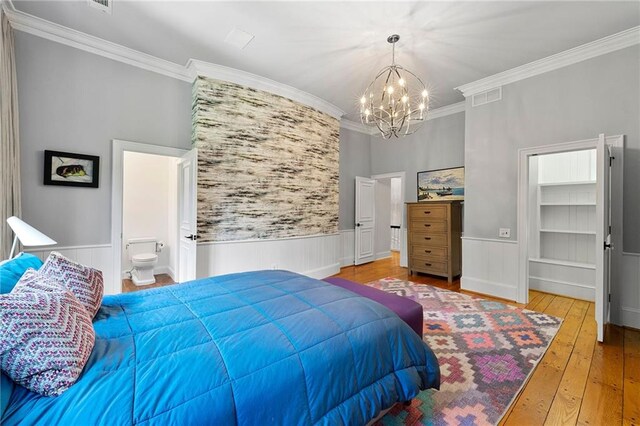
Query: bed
x,y
267,347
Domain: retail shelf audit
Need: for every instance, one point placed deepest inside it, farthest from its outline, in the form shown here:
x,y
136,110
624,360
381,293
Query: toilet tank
x,y
141,245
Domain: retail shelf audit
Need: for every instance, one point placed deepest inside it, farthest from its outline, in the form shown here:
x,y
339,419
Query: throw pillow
x,y
46,336
84,282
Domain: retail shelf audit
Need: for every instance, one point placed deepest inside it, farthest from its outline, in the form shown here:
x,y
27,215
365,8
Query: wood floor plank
x,y
566,404
533,405
631,389
603,395
557,388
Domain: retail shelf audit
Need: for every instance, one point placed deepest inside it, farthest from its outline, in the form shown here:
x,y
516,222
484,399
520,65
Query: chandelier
x,y
396,101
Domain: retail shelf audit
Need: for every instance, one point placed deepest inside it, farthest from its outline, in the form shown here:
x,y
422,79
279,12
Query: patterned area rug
x,y
486,351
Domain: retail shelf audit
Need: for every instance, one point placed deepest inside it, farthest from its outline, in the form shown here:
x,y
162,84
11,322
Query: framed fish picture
x,y
441,185
68,169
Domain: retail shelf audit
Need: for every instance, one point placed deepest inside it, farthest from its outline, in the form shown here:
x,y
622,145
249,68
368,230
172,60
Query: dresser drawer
x,y
425,225
429,253
428,266
428,212
423,239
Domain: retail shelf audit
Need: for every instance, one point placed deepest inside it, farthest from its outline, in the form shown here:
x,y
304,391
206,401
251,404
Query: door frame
x,y
403,232
117,181
522,295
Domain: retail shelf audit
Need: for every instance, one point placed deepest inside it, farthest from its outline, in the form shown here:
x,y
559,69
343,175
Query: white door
x,y
187,180
365,220
603,234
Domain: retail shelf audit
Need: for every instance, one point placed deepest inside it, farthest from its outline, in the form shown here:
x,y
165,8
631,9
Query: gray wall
x,y
600,95
355,160
438,144
76,101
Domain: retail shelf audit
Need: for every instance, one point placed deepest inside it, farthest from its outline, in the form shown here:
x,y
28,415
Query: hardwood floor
x,y
578,381
161,281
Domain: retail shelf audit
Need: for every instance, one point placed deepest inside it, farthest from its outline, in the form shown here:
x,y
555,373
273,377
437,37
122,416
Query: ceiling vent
x,y
102,5
238,38
486,97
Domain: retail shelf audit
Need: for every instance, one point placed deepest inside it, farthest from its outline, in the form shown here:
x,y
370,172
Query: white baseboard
x,y
477,285
562,288
383,255
323,272
630,317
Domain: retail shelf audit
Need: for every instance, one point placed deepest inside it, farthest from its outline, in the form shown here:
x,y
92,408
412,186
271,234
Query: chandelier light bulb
x,y
394,115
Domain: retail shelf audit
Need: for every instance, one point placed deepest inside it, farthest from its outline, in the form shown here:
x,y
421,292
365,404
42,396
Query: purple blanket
x,y
408,310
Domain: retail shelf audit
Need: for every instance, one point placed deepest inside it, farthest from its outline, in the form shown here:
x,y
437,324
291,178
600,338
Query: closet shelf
x,y
563,263
581,182
567,204
568,231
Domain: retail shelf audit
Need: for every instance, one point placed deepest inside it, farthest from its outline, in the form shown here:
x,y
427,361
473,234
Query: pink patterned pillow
x,y
85,283
46,336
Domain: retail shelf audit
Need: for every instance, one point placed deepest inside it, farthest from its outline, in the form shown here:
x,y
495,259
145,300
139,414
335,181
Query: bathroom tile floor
x,y
161,280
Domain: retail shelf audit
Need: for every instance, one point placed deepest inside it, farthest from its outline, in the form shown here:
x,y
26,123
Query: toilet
x,y
143,256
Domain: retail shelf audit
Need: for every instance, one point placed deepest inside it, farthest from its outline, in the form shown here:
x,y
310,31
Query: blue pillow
x,y
12,270
6,389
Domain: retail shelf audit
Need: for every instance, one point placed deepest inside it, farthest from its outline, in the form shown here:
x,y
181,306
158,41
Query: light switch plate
x,y
504,232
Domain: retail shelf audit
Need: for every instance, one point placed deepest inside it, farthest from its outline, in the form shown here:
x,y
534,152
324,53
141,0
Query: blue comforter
x,y
269,347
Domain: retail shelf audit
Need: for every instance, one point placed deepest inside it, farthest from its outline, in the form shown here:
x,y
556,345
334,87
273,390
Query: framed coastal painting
x,y
68,169
441,185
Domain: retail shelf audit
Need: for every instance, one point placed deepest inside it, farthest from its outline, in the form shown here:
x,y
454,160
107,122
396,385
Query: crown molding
x,y
446,110
31,24
590,50
357,127
220,72
28,23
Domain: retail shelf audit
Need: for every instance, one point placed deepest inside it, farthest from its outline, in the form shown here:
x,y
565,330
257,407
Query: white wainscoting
x,y
490,267
97,256
630,290
347,243
569,279
317,256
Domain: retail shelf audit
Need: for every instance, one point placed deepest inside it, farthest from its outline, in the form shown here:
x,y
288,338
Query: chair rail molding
x,y
581,53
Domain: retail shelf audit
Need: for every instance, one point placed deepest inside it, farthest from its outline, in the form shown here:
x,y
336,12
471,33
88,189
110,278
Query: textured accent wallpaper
x,y
267,165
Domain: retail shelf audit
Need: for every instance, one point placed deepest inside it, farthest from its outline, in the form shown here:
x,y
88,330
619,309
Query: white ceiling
x,y
333,49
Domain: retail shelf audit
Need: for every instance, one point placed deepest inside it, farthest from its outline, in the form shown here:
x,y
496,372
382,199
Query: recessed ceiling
x,y
333,49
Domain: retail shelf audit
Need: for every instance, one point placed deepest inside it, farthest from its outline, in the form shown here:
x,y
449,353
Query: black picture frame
x,y
421,194
71,169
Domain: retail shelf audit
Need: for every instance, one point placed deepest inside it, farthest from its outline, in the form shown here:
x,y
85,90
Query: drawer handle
x,y
427,264
427,225
427,212
427,251
427,238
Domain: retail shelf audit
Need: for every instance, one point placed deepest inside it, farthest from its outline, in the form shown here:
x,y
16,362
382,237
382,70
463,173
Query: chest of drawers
x,y
434,231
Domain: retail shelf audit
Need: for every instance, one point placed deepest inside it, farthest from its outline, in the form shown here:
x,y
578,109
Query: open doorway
x,y
569,219
388,206
149,220
380,217
153,218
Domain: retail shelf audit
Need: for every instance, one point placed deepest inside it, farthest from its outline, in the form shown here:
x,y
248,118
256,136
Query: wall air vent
x,y
488,96
102,5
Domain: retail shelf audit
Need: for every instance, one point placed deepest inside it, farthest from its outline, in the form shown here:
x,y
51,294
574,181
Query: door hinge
x,y
609,229
611,160
609,297
606,245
